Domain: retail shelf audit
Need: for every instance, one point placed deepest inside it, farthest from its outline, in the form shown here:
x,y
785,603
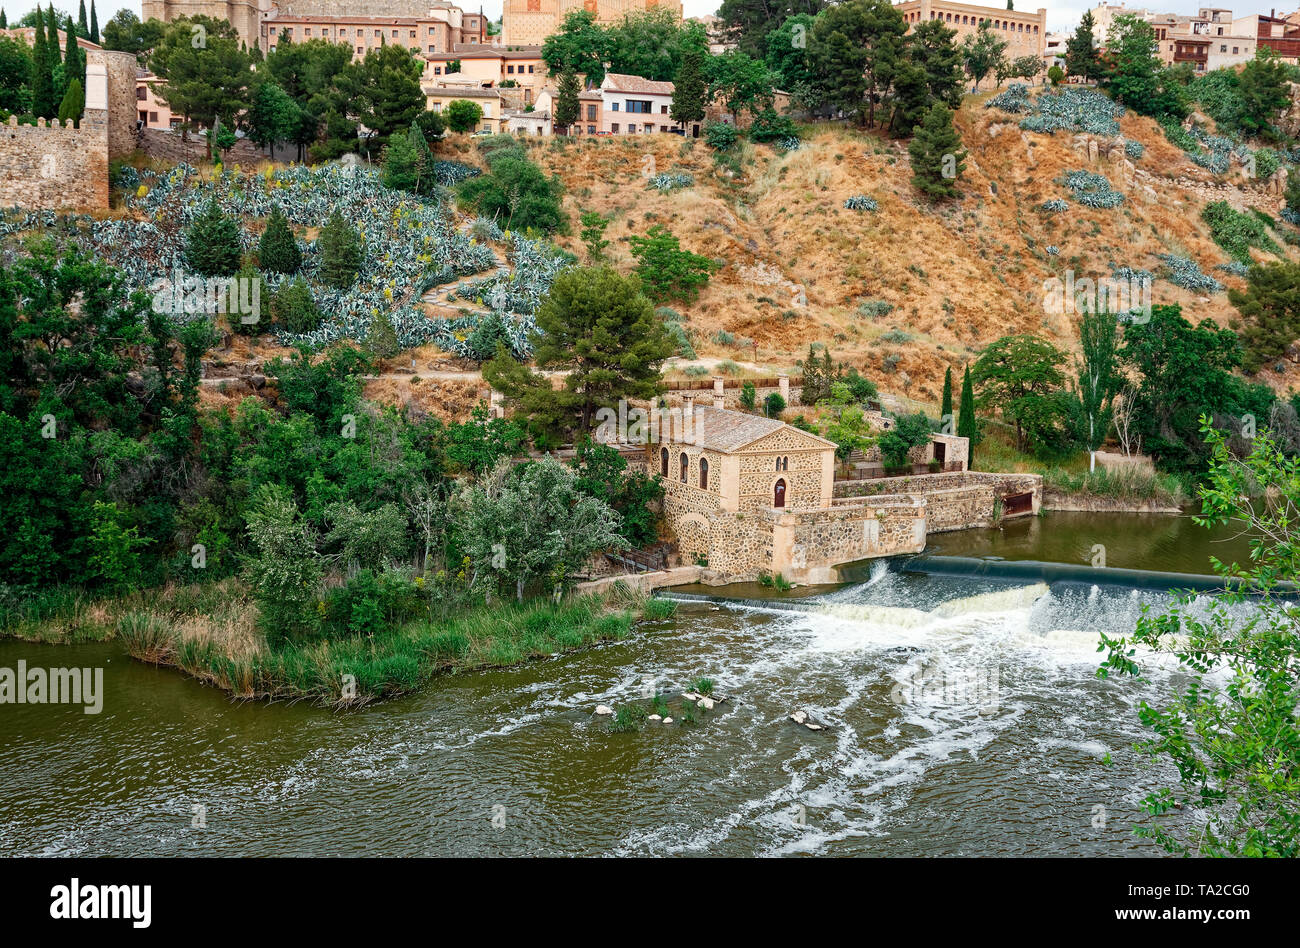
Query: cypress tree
x,y
340,249
74,61
83,28
4,22
424,181
94,24
278,250
567,105
937,158
966,425
73,104
689,90
44,104
945,407
212,243
58,72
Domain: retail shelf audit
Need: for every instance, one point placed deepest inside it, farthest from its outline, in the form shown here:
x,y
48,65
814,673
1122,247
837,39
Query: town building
x,y
1280,34
634,106
152,110
1024,32
436,23
489,66
529,22
437,98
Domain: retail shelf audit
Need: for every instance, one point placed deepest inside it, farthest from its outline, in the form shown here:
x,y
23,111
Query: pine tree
x,y
689,90
94,24
44,104
212,243
937,157
73,104
400,173
278,251
340,248
566,100
1081,56
966,424
945,406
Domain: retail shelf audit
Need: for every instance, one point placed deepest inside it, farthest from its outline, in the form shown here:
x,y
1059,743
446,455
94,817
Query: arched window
x,y
778,464
663,461
686,463
785,464
778,494
704,474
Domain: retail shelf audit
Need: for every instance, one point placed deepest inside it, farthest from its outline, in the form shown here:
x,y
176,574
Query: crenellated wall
x,y
55,166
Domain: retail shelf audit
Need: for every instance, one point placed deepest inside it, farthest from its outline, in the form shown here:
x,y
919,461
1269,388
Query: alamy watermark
x,y
1130,298
23,685
188,295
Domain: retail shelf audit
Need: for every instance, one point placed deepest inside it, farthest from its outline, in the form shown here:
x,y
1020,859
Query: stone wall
x,y
954,501
119,97
807,545
55,166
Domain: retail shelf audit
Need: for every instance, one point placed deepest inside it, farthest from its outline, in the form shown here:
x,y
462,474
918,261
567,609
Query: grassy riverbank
x,y
210,632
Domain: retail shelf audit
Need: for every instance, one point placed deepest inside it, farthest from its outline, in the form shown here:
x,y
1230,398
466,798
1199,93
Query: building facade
x,y
635,106
1024,33
529,22
487,66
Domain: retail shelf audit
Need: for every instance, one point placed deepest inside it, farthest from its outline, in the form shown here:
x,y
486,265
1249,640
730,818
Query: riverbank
x,y
210,632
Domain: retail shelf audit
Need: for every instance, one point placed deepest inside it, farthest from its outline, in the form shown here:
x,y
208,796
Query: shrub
x,y
748,396
1092,190
1237,232
773,405
719,135
860,202
1055,206
767,126
1134,149
294,309
340,248
670,180
873,309
1185,273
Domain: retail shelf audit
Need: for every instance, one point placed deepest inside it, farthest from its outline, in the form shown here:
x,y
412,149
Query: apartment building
x,y
488,66
435,29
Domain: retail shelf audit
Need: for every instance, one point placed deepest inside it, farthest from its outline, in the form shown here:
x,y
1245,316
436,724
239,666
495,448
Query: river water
x,y
962,718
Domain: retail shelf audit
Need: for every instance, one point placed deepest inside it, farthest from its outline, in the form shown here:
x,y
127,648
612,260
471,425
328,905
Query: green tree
x,y
278,250
341,252
749,22
602,473
654,43
93,35
212,243
748,396
1082,57
1231,732
908,432
381,338
1021,376
786,53
272,115
401,164
383,91
1264,90
945,404
983,52
1136,77
114,548
74,103
566,99
1056,74
689,90
967,425
744,83
933,47
666,271
593,235
773,405
15,76
284,568
598,326
207,81
463,115
1097,378
126,33
857,51
477,445
44,104
937,156
294,308
527,524
1270,312
579,44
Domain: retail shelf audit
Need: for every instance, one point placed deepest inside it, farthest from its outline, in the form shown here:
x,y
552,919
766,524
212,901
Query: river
x,y
962,717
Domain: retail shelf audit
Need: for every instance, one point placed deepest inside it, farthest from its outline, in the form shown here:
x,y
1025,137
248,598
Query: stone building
x,y
436,23
1024,32
529,22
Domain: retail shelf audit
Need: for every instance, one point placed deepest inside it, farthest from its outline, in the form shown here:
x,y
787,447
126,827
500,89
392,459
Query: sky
x,y
1061,16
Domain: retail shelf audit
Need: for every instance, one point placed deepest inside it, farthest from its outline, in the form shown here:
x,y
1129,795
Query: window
x,y
153,116
614,128
360,50
632,128
640,106
663,110
530,70
306,31
591,113
591,130
685,462
704,474
510,70
141,92
613,106
778,493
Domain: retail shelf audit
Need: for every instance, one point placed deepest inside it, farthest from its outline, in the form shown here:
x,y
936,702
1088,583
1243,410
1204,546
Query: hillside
x,y
956,276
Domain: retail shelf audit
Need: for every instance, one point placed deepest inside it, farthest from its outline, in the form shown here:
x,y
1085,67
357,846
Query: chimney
x,y
719,393
688,407
783,385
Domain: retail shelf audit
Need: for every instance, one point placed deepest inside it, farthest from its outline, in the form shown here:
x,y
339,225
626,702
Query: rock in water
x,y
799,717
706,704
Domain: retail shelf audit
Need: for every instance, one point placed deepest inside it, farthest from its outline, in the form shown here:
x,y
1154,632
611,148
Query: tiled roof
x,y
729,431
619,82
